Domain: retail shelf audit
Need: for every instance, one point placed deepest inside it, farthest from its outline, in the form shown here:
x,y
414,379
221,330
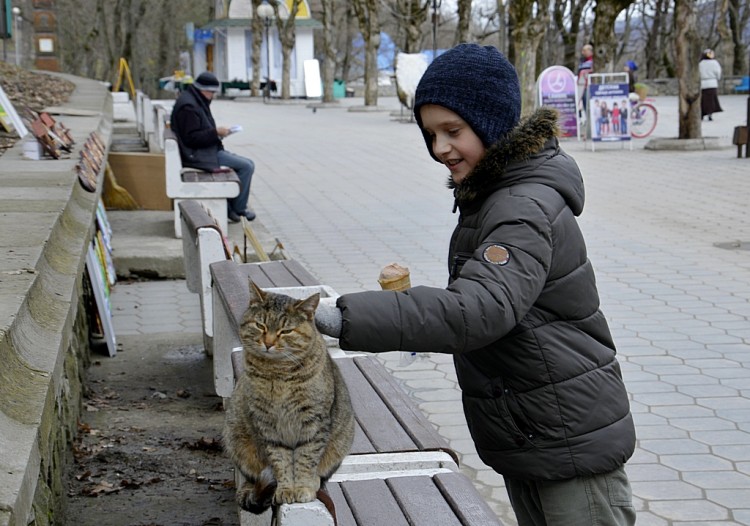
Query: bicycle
x,y
643,117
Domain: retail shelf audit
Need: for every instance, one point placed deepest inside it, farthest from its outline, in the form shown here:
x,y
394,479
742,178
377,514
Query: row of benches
x,y
400,470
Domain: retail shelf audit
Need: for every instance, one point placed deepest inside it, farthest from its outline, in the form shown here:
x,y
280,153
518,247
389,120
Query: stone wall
x,y
669,87
46,225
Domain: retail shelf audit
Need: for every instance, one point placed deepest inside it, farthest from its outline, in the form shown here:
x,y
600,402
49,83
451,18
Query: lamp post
x,y
16,15
265,12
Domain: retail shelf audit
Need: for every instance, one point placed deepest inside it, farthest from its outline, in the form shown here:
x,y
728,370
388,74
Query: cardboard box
x,y
142,175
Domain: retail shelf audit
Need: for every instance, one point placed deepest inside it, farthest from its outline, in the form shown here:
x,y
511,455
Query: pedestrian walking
x,y
710,71
543,393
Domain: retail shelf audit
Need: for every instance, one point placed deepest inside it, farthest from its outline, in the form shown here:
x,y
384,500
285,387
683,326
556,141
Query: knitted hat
x,y
479,84
207,81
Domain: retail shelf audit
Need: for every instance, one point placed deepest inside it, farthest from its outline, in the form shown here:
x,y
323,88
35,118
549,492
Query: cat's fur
x,y
290,422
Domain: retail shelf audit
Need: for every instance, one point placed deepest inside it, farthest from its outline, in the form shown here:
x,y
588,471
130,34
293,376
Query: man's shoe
x,y
249,214
233,218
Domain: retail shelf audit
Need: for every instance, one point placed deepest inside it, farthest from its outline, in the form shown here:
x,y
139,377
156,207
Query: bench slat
x,y
344,515
445,499
378,423
300,273
460,493
209,177
227,279
419,428
287,273
196,216
371,502
422,502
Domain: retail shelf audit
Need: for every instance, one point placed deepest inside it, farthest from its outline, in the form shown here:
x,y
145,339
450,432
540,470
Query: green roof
x,y
247,22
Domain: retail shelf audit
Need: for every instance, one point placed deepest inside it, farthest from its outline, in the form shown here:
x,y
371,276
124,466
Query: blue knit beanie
x,y
479,84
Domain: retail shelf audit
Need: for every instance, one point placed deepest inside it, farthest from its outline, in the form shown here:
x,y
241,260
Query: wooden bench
x,y
203,243
399,463
212,189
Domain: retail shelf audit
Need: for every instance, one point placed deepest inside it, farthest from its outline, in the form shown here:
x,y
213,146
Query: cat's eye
x,y
286,331
261,326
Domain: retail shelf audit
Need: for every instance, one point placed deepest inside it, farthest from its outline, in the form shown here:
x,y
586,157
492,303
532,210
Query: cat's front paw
x,y
304,494
284,495
290,495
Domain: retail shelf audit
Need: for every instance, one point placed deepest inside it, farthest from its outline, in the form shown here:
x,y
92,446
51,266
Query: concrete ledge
x,y
705,143
43,326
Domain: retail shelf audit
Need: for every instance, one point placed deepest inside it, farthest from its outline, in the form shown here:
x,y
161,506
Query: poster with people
x,y
609,110
557,88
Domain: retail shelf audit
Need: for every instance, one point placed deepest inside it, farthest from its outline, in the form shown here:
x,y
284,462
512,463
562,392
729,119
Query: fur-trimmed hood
x,y
528,153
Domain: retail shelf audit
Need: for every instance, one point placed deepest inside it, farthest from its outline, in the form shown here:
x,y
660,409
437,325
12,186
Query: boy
x,y
542,390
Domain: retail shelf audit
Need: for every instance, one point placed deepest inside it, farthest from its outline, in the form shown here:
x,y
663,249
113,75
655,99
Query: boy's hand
x,y
328,319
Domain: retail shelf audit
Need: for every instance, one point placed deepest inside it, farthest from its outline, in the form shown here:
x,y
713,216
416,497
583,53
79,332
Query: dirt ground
x,y
148,451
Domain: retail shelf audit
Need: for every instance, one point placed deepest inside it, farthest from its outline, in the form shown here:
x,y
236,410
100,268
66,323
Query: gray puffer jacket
x,y
542,390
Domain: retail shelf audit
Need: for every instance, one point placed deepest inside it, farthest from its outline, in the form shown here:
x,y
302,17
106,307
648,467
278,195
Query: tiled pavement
x,y
668,233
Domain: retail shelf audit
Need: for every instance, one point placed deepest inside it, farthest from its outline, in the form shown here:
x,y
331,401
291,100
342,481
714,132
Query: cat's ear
x,y
256,291
309,305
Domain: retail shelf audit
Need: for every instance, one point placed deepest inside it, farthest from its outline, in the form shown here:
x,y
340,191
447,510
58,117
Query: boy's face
x,y
453,140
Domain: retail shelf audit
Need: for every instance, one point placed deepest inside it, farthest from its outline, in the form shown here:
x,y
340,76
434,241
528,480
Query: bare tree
x,y
654,52
140,31
687,52
256,26
288,38
739,14
605,39
725,48
567,15
409,17
329,50
369,26
464,22
530,22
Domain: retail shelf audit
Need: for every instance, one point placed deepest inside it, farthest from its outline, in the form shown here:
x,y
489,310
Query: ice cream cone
x,y
394,277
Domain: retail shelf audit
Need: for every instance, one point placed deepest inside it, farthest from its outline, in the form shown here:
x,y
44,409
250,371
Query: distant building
x,y
224,45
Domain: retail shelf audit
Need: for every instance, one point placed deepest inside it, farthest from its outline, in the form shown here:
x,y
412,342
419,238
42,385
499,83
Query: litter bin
x,y
339,89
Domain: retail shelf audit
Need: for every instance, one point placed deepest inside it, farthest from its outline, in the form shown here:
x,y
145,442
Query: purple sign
x,y
557,89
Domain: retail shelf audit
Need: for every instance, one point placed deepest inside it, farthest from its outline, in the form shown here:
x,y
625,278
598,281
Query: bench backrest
x,y
172,162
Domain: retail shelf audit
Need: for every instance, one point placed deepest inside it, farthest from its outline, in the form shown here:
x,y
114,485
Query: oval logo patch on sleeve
x,y
496,254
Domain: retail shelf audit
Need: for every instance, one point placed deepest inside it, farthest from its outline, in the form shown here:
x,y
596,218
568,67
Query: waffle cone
x,y
394,277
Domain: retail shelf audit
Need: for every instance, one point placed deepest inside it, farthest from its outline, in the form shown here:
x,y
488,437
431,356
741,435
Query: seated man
x,y
200,140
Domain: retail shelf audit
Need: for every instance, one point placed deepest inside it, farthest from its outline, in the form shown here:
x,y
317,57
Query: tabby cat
x,y
290,422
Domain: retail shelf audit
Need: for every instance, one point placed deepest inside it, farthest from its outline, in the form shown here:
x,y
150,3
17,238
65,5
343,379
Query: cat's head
x,y
277,326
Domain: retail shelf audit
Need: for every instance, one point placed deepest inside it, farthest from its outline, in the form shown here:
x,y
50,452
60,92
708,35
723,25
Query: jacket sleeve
x,y
484,303
192,133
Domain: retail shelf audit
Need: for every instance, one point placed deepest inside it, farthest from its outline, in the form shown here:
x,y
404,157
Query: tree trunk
x,y
528,32
605,39
725,49
464,21
502,41
687,54
329,51
256,26
288,38
369,26
569,36
653,51
739,12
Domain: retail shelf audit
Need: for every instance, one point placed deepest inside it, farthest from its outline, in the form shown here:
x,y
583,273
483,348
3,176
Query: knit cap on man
x,y
207,81
476,82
